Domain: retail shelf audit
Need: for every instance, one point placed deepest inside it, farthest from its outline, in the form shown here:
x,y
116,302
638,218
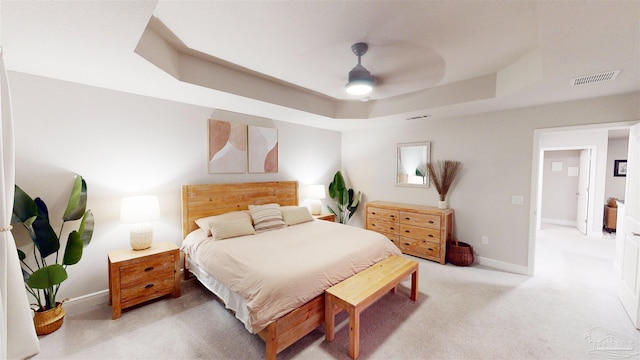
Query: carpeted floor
x,y
564,312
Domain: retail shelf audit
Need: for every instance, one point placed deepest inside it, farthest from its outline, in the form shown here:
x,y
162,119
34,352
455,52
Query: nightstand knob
x,y
149,268
148,286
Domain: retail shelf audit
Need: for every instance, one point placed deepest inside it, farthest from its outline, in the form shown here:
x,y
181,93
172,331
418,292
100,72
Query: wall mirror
x,y
411,164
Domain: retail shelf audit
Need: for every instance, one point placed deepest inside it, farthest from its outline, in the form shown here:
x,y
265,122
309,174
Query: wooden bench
x,y
361,290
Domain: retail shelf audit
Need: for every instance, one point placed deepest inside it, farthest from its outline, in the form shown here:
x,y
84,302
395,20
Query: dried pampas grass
x,y
442,174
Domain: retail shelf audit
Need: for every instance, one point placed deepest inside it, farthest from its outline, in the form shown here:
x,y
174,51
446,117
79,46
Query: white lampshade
x,y
315,193
140,210
137,209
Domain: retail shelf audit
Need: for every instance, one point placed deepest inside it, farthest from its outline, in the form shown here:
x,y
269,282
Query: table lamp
x,y
140,211
315,193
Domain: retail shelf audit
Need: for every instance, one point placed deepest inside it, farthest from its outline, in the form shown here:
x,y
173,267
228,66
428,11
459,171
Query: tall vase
x,y
442,204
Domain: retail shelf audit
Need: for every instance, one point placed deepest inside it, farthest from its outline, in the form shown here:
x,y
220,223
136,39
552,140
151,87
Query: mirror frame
x,y
427,158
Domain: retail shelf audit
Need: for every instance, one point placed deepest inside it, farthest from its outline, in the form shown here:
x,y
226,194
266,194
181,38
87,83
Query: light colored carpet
x,y
462,313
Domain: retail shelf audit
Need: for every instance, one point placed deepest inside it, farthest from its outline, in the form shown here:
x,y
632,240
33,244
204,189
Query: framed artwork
x,y
620,168
227,147
263,150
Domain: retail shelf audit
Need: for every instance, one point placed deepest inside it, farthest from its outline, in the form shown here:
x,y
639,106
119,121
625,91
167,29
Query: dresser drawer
x,y
419,247
382,214
426,220
383,226
153,269
417,232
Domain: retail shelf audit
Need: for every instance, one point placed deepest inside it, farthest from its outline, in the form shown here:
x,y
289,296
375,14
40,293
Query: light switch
x,y
517,199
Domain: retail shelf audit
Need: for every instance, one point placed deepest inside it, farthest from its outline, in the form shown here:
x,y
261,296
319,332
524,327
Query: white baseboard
x,y
559,222
95,298
501,265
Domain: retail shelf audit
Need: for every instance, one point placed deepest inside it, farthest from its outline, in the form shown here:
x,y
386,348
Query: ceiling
x,y
289,60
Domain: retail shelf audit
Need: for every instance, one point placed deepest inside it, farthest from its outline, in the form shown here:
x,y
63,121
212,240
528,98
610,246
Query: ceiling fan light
x,y
360,86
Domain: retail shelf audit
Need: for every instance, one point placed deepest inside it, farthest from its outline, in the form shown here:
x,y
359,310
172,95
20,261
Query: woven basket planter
x,y
461,255
50,320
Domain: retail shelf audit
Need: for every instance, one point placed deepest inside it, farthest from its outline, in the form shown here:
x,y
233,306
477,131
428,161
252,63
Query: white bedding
x,y
277,271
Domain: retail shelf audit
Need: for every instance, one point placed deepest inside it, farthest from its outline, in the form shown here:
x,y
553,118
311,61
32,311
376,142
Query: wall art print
x,y
227,147
263,150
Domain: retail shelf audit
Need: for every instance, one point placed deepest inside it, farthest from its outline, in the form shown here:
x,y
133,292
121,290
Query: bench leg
x,y
354,332
414,285
329,318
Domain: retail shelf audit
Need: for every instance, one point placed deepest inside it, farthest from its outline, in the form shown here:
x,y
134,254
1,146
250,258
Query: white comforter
x,y
280,270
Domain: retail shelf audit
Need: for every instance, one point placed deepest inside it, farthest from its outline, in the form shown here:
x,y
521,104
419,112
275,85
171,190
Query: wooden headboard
x,y
214,199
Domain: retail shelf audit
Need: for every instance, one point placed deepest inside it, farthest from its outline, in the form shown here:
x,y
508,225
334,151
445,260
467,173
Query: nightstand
x,y
143,275
327,217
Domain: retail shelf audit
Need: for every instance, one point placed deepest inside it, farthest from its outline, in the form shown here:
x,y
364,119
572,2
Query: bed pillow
x,y
293,215
230,228
266,217
205,222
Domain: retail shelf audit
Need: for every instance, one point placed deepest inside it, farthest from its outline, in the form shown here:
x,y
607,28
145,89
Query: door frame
x,y
536,177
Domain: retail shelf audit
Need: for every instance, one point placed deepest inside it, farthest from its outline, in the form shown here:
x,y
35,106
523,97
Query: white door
x,y
583,190
629,288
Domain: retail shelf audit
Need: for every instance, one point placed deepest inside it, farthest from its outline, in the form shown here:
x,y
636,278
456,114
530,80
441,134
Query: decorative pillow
x,y
229,228
266,217
293,215
204,223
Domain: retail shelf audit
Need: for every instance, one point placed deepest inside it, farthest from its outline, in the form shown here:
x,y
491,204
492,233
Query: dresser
x,y
417,230
139,276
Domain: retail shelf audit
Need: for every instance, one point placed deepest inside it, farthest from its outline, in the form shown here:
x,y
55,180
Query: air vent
x,y
595,78
419,117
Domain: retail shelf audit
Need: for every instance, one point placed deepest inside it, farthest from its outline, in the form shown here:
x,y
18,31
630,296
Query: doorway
x,y
591,137
564,189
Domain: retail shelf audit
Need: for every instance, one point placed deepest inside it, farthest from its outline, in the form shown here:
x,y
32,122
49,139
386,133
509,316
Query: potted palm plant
x,y
346,199
44,273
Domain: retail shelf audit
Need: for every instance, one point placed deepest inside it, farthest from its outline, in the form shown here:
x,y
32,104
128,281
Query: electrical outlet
x,y
517,199
485,240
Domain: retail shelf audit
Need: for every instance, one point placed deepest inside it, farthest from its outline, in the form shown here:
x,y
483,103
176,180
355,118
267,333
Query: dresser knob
x,y
148,286
430,221
149,268
407,218
391,228
430,235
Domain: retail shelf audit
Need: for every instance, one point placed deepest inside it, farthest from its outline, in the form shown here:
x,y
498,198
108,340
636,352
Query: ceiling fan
x,y
360,80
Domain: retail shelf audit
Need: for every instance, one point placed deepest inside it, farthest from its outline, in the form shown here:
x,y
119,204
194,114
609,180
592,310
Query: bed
x,y
291,307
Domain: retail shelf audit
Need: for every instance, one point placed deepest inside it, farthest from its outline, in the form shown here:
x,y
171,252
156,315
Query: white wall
x,y
125,144
615,185
496,150
559,200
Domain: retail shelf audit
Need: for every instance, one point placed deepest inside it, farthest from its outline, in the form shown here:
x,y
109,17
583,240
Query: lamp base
x,y
141,237
316,207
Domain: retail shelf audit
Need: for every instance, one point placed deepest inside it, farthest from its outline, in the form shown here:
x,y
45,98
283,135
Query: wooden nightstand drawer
x,y
139,276
143,291
156,268
416,232
426,220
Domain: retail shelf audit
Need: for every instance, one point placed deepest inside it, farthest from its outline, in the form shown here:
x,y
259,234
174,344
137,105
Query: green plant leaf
x,y
21,255
73,249
24,208
77,200
86,227
43,236
47,277
336,187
